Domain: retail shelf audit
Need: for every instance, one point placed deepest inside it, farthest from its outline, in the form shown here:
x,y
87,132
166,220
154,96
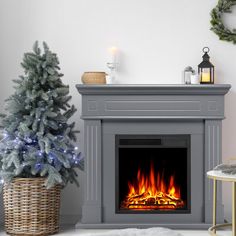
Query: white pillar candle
x,y
113,54
195,79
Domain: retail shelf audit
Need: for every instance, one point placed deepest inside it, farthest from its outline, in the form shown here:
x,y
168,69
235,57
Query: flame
x,y
151,192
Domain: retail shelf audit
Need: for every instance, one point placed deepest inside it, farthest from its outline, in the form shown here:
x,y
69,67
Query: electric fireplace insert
x,y
153,174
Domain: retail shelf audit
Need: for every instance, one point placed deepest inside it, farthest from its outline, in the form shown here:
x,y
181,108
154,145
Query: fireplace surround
x,y
147,149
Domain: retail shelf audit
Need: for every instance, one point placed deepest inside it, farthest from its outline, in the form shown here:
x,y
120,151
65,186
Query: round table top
x,y
218,175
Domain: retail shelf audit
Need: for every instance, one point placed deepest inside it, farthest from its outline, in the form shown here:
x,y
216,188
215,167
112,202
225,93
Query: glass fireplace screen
x,y
153,174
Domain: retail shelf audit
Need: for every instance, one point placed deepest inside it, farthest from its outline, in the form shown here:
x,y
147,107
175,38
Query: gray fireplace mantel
x,y
153,101
107,110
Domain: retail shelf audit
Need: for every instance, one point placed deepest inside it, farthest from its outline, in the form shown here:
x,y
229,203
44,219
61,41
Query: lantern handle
x,y
206,49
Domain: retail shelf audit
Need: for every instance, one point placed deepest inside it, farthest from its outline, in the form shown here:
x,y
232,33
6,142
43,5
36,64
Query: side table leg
x,y
233,208
214,203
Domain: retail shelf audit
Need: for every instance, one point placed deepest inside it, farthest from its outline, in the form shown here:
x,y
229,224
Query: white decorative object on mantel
x,y
195,79
188,71
157,231
112,65
110,79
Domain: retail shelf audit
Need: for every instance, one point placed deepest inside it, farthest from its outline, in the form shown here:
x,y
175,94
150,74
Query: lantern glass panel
x,y
205,75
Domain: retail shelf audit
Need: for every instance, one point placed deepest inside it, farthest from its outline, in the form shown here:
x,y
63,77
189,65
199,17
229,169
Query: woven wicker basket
x,y
30,208
94,78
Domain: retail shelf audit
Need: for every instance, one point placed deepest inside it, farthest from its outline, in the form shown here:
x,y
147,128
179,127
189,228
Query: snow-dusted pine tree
x,y
37,139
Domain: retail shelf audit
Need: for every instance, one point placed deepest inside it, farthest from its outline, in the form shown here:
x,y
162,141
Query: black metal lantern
x,y
206,69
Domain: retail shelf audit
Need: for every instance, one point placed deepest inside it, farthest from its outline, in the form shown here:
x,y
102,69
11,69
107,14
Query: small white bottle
x,y
188,71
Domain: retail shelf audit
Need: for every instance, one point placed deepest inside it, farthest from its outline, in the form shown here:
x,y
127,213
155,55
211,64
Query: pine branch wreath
x,y
218,27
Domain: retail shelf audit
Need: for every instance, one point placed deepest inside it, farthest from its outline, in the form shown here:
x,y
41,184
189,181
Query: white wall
x,y
157,39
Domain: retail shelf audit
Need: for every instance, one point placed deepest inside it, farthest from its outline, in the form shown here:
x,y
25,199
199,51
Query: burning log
x,y
150,207
152,191
138,197
151,201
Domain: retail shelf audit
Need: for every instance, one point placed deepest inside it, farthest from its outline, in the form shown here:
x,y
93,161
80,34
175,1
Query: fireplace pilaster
x,y
213,152
92,210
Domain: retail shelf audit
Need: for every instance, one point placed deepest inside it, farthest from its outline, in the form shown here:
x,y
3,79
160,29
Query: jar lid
x,y
188,69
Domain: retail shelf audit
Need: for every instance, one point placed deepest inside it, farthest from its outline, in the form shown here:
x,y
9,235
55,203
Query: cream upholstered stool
x,y
217,175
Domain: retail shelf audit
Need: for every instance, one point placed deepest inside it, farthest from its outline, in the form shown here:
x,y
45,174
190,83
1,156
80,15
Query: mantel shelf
x,y
151,89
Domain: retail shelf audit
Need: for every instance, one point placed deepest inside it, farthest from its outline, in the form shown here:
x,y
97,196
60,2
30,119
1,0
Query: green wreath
x,y
223,6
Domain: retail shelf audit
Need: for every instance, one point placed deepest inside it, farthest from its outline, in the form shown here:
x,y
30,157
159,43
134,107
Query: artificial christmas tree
x,y
38,140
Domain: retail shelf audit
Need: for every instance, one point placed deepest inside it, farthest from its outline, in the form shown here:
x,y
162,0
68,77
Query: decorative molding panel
x,y
92,105
213,106
152,105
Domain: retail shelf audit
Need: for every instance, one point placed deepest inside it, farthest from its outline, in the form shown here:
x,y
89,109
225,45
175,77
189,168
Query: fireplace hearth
x,y
147,150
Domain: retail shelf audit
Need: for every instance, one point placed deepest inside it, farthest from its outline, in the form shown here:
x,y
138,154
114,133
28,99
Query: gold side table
x,y
217,175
